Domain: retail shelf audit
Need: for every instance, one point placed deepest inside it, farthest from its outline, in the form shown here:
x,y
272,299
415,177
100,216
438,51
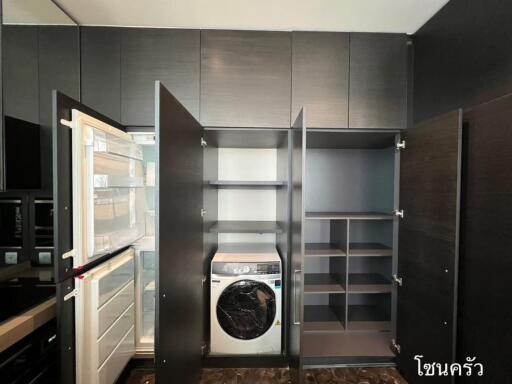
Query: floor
x,y
281,376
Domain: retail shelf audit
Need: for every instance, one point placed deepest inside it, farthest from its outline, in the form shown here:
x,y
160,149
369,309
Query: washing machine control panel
x,y
235,269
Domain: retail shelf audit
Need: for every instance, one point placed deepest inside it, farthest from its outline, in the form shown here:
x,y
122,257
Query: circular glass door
x,y
246,309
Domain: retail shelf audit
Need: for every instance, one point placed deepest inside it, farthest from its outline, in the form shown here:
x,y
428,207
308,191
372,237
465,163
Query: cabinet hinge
x,y
395,346
204,348
71,294
203,212
67,123
68,254
397,280
400,145
203,142
399,213
203,280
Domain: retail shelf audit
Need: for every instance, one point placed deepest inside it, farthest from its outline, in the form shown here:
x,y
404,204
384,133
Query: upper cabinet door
x,y
168,55
245,79
378,81
179,241
101,70
428,244
320,78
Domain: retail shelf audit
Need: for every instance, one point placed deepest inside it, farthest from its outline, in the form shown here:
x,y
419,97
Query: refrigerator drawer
x,y
115,363
113,276
115,334
113,308
117,171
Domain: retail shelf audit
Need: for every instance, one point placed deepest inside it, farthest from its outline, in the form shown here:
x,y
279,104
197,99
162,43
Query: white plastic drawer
x,y
113,308
109,283
117,171
119,218
105,142
115,363
114,335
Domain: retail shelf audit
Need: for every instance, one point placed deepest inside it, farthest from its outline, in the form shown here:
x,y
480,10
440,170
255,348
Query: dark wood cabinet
x,y
168,55
320,78
101,70
21,72
378,81
245,78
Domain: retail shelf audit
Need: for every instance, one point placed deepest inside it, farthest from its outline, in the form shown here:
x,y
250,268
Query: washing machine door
x,y
246,309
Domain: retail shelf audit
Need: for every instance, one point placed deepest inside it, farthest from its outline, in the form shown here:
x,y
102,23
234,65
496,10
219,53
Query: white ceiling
x,y
41,12
405,16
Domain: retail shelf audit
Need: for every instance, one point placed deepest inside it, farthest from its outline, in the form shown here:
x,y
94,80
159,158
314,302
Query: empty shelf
x,y
368,283
322,283
347,344
367,313
247,184
323,250
369,250
348,215
236,226
321,319
369,326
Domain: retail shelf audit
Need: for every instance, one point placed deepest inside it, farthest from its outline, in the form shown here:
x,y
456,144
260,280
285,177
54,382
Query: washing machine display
x,y
246,309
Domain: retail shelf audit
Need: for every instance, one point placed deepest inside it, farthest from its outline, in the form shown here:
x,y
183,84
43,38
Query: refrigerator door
x,y
105,320
109,203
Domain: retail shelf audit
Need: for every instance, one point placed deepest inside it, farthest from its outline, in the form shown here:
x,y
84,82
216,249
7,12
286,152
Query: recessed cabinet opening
x,y
246,194
349,246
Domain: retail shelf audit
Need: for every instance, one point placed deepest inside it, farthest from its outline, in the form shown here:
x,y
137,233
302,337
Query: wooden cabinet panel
x,y
320,74
168,55
59,68
101,70
378,81
245,78
20,73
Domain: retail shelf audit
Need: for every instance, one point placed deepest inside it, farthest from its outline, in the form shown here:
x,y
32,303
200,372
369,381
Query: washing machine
x,y
246,300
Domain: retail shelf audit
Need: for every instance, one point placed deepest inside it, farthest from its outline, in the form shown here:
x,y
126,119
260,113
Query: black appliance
x,y
12,230
22,154
42,217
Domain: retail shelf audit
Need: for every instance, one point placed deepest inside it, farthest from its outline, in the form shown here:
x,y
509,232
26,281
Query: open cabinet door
x,y
98,212
428,245
179,241
297,245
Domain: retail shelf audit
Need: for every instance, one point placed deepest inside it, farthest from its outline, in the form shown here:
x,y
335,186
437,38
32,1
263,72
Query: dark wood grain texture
x,y
101,70
21,72
484,323
297,246
428,243
245,78
59,68
320,79
170,56
179,241
378,81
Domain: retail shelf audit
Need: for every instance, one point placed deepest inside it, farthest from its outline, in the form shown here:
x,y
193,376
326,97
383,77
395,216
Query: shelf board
x,y
323,250
366,313
368,283
347,344
369,326
348,215
246,184
322,283
321,319
237,226
369,250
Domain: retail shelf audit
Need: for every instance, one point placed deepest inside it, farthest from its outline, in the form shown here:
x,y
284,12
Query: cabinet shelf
x,y
367,313
322,283
369,250
237,226
323,250
347,344
321,319
348,216
247,184
368,283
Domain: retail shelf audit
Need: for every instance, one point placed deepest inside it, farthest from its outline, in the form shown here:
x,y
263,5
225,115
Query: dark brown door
x,y
179,304
428,244
297,241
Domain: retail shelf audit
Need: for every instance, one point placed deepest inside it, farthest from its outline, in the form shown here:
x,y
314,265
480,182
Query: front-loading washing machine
x,y
245,306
